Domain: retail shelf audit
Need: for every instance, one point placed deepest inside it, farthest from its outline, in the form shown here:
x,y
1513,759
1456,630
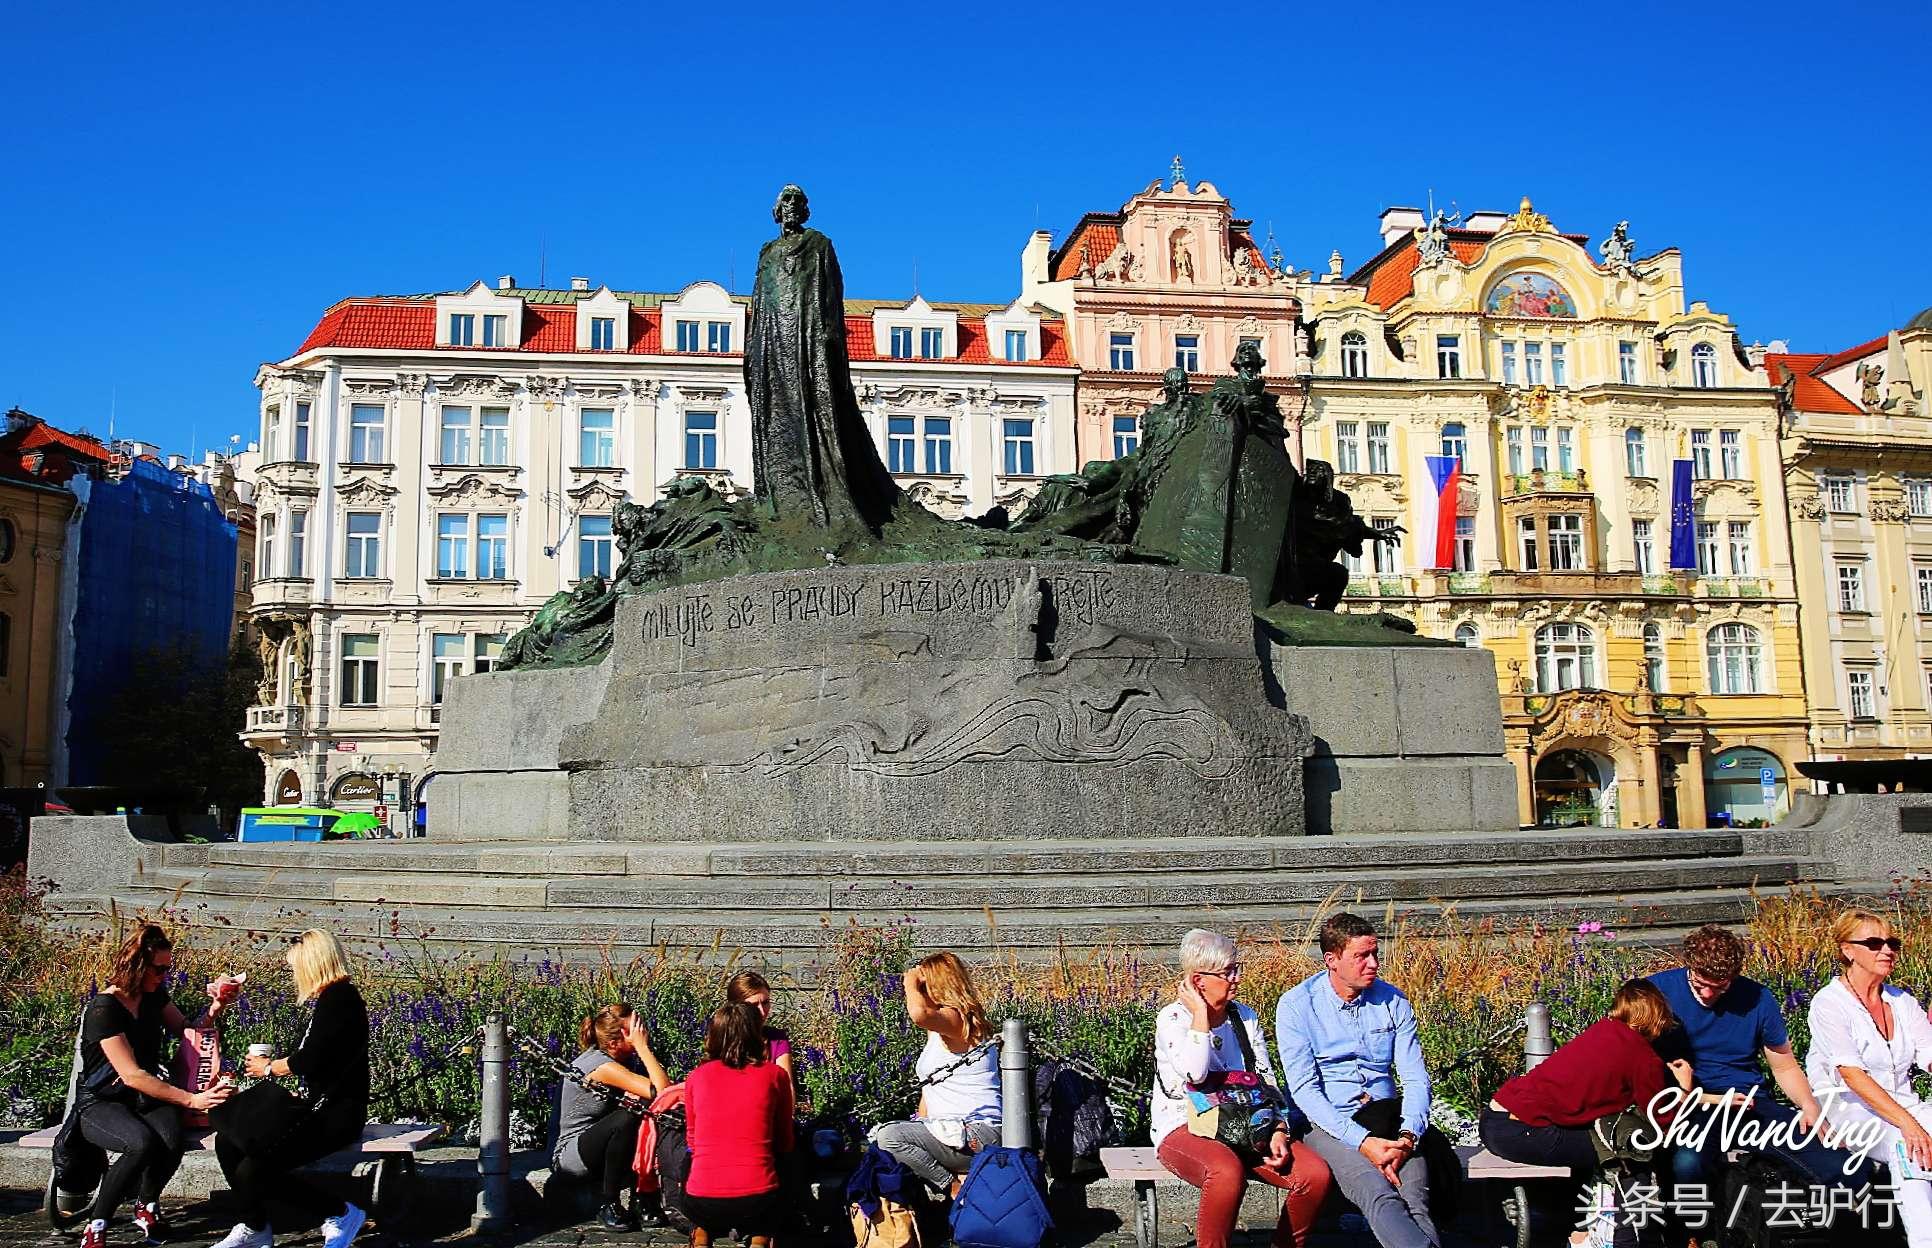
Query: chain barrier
x,y
876,1110
390,1092
1120,1093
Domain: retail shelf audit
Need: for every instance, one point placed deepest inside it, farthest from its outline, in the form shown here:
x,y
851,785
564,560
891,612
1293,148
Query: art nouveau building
x,y
1857,448
1565,385
434,467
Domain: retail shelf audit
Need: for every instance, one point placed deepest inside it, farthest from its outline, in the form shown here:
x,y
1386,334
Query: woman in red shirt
x,y
738,1116
1543,1118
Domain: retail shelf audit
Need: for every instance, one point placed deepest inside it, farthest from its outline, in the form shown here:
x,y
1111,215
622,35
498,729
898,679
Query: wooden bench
x,y
1142,1168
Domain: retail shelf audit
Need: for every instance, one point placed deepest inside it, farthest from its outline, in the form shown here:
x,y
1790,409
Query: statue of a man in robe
x,y
811,455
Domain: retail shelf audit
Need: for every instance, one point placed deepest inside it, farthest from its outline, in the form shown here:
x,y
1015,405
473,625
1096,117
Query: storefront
x,y
1745,787
1576,788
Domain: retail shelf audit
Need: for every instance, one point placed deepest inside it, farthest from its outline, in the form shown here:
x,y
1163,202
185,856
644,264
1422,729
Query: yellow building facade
x,y
1563,384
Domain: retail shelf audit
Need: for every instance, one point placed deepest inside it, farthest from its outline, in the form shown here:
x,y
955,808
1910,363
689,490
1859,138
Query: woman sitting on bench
x,y
333,1061
959,1107
596,1137
119,1105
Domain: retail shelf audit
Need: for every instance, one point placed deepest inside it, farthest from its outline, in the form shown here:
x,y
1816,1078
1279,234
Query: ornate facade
x,y
1565,383
1857,448
434,468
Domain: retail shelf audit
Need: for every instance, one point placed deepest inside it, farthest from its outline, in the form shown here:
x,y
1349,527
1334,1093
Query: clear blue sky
x,y
188,189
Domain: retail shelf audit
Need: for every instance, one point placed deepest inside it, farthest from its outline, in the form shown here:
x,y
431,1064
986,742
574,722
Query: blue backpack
x,y
1002,1204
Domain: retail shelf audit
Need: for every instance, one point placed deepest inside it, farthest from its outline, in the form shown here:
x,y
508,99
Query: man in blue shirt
x,y
1347,1038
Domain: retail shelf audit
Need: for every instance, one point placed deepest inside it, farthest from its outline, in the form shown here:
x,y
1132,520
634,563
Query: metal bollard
x,y
1016,1086
493,1149
1537,1042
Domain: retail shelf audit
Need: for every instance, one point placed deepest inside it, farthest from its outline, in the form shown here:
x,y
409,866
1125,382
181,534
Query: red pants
x,y
1213,1167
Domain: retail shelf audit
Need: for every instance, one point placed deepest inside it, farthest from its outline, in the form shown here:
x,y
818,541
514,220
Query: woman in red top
x,y
1543,1118
738,1115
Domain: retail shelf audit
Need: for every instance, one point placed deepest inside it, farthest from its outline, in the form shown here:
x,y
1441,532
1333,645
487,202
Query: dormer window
x,y
602,320
901,342
1354,354
462,329
704,319
717,336
496,331
603,333
1704,366
688,336
917,331
1016,345
457,318
932,343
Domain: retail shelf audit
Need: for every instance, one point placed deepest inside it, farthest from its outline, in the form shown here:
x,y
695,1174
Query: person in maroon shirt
x,y
738,1119
1543,1118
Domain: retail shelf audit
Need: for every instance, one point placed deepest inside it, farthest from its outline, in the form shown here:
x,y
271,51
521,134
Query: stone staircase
x,y
783,903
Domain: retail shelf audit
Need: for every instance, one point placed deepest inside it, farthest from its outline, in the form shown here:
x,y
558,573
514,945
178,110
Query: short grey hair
x,y
1202,950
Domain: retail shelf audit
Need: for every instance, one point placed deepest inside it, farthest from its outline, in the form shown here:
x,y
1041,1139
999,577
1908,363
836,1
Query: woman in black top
x,y
332,1060
120,1105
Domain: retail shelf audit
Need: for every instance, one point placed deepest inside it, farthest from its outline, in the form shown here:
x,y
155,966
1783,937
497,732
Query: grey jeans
x,y
1398,1216
914,1146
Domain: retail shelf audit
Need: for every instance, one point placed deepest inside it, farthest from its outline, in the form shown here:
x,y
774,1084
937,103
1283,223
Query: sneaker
x,y
613,1217
148,1221
341,1230
246,1236
95,1235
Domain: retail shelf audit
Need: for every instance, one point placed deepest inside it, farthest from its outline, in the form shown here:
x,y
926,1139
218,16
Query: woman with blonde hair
x,y
958,1070
1866,1035
332,1060
596,1137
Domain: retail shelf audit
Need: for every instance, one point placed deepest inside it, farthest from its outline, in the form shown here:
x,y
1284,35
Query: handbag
x,y
259,1117
894,1226
1235,1106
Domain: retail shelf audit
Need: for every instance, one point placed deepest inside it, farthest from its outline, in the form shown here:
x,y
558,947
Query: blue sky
x,y
188,189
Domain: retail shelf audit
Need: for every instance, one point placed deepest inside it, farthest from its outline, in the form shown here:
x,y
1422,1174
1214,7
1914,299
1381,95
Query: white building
x,y
434,467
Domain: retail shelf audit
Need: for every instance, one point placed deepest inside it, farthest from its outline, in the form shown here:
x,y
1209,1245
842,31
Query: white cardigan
x,y
1843,1034
1182,1054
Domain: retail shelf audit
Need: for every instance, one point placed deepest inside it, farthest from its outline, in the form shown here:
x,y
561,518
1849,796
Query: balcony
x,y
290,475
1378,587
1545,481
1468,583
274,721
1732,587
277,592
1579,584
1671,583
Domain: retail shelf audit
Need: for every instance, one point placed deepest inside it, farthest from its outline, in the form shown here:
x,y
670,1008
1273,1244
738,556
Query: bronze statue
x,y
1325,525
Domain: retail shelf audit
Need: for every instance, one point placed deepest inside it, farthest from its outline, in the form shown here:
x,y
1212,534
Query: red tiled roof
x,y
1101,234
39,452
1390,273
550,327
396,324
1809,391
1856,353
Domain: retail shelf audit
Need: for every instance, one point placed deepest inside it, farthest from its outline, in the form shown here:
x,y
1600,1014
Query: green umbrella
x,y
355,824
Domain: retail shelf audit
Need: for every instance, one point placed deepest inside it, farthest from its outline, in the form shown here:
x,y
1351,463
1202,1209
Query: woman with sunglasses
x,y
1866,1035
1204,1030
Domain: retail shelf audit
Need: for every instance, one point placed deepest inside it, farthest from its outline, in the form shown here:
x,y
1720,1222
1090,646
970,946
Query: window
x,y
487,650
901,443
1918,496
1839,495
1566,543
1730,454
1707,564
1465,551
1455,444
1388,555
1120,352
1739,533
452,546
1187,352
603,333
365,434
298,535
939,445
596,437
492,548
493,442
1559,374
455,447
1357,565
359,663
1533,363
1636,453
900,340
1566,658
271,431
496,331
1348,446
1627,363
1654,670
1016,447
1565,449
1922,575
700,439
687,335
1734,659
593,547
299,445
1354,354
1526,543
932,343
717,336
1704,366
1513,441
1509,363
1701,454
265,554
1858,688
1126,435
462,329
1643,547
1467,636
1448,356
1378,446
448,650
1016,344
1539,449
362,556
1851,587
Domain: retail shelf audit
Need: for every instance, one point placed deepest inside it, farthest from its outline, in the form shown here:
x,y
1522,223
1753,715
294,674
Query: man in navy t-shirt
x,y
1725,1022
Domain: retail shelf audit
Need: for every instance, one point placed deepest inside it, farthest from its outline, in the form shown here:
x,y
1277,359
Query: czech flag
x,y
1445,472
1683,516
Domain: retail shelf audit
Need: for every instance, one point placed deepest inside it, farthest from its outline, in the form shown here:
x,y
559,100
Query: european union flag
x,y
1683,516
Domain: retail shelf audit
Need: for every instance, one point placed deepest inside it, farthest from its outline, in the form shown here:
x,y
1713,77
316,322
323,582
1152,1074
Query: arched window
x,y
1354,354
1455,443
1466,635
1734,653
1654,657
1636,453
1566,658
1704,366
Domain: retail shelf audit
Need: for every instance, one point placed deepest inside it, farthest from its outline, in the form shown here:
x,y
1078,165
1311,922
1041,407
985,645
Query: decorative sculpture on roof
x,y
1121,265
1618,249
1527,220
1183,258
1180,175
1432,240
1871,379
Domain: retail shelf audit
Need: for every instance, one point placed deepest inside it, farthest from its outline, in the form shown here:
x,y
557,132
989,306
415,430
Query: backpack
x,y
673,1157
1075,1120
1003,1202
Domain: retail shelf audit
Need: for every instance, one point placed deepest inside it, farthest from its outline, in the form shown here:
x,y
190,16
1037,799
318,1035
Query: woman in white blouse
x,y
1196,1034
1866,1035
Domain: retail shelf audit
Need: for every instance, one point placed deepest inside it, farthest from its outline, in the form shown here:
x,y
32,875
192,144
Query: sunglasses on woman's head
x,y
1875,943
